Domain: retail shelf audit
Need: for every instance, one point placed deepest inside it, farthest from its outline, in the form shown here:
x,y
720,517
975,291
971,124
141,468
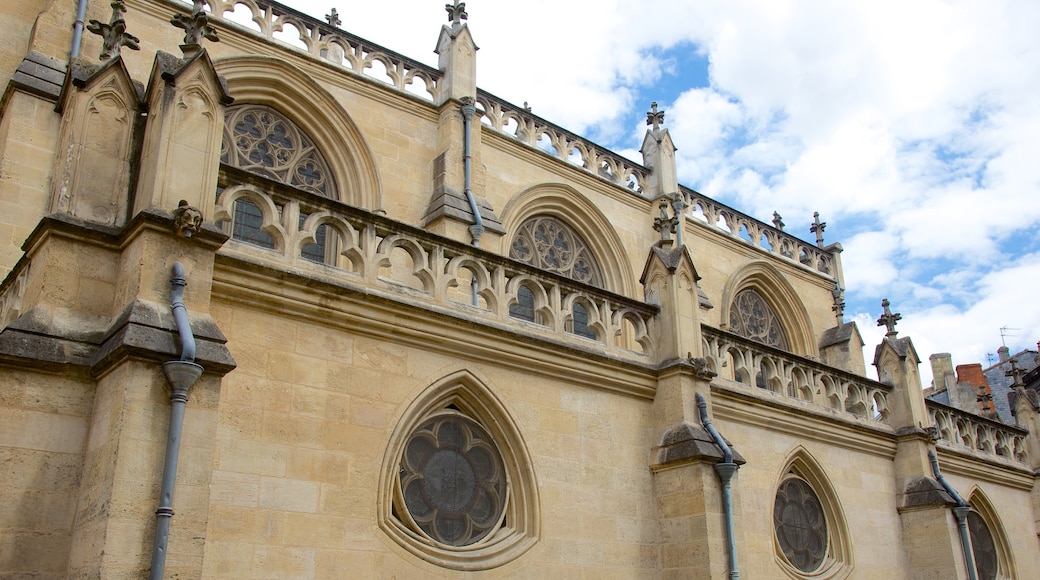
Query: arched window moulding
x,y
272,82
464,394
838,560
1003,558
569,206
778,293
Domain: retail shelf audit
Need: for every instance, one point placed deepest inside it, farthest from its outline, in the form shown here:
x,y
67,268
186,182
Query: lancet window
x,y
751,317
550,244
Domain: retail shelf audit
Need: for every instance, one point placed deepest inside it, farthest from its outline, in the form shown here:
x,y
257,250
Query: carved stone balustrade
x,y
710,213
967,432
317,237
277,22
536,132
749,364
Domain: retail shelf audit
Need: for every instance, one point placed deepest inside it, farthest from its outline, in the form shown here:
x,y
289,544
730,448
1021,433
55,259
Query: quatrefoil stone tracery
x,y
263,141
548,243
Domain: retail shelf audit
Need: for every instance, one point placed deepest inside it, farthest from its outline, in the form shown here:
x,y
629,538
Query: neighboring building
x,y
986,391
439,336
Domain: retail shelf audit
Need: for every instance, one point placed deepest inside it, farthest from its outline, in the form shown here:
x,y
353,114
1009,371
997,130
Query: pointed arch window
x,y
811,537
458,485
751,316
548,243
982,546
263,141
994,559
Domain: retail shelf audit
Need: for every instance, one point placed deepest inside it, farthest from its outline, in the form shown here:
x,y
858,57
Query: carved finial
x,y
333,18
654,117
778,222
114,33
1015,373
888,319
839,302
669,225
187,219
196,27
527,107
456,13
664,224
817,228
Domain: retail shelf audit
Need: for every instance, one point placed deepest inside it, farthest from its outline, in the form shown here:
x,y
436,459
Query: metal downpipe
x,y
960,513
181,374
77,28
468,110
725,469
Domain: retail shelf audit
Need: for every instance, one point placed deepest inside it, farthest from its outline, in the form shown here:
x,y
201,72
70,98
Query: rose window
x,y
801,528
452,485
751,317
548,243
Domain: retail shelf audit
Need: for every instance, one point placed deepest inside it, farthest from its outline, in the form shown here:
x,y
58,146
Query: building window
x,y
452,486
247,223
751,317
811,537
982,547
580,322
458,487
549,244
524,306
800,524
261,140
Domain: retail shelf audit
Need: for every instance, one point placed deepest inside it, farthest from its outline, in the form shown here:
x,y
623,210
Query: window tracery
x,y
800,524
261,140
983,547
751,317
811,537
550,244
458,487
452,485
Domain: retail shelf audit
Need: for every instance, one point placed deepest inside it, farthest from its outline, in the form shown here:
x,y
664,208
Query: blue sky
x,y
913,128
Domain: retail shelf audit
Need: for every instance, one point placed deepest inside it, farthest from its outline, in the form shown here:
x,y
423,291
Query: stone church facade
x,y
312,309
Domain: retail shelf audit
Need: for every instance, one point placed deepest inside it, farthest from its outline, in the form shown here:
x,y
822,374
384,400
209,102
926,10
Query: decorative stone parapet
x,y
280,23
790,376
724,219
967,432
373,252
519,123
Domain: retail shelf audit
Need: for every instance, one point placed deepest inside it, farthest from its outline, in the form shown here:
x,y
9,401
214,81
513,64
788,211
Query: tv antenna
x,y
1005,332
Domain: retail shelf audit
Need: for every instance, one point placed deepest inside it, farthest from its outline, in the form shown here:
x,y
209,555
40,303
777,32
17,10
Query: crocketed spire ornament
x,y
456,13
333,18
888,319
196,27
654,118
114,33
817,228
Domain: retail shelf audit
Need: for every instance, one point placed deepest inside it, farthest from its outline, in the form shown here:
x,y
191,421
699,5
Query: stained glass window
x,y
547,243
982,547
751,317
800,524
524,307
452,480
248,220
580,322
261,140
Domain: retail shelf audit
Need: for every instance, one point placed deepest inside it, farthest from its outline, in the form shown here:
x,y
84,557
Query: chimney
x,y
1004,354
942,366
